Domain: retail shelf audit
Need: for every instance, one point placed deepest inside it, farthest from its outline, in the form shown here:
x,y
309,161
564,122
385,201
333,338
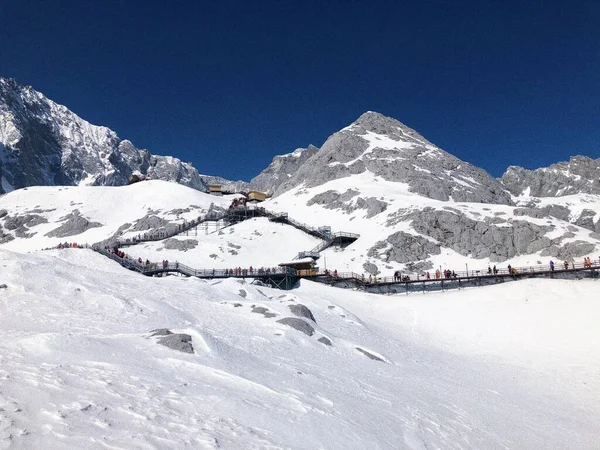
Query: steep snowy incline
x,y
80,368
253,243
44,216
43,143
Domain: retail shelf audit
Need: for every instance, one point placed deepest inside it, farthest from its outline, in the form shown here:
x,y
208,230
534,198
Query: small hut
x,y
215,189
256,196
304,266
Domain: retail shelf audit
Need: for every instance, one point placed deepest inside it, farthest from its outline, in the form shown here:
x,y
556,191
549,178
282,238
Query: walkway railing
x,y
237,214
151,268
334,276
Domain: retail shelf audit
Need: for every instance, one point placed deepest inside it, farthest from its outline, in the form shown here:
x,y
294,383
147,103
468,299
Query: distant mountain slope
x,y
389,149
43,143
281,169
227,185
581,175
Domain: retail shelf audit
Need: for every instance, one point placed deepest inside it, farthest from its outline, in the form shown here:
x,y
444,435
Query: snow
x,y
110,206
240,245
80,370
509,366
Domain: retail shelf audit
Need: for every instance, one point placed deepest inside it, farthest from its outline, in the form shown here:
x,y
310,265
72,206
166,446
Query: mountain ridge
x,y
44,143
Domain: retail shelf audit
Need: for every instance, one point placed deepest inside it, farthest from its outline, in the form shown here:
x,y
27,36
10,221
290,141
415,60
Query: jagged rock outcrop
x,y
581,175
557,211
395,152
281,169
478,239
43,143
404,248
73,225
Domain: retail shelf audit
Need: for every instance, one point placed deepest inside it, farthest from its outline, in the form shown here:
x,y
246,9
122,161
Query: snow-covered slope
x,y
241,245
44,216
506,367
402,230
398,229
43,143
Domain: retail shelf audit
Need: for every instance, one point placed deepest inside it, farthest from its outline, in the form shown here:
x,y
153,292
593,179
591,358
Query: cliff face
x,y
580,175
43,143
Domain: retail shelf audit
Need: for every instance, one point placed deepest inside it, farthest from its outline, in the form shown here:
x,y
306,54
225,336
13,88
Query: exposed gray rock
x,y
264,311
298,324
75,224
6,238
586,220
343,202
243,293
417,267
161,332
281,169
180,342
150,222
180,244
302,311
581,175
371,268
428,170
324,340
477,238
372,205
179,211
334,200
45,144
403,247
494,220
369,355
558,211
226,185
23,221
570,250
3,213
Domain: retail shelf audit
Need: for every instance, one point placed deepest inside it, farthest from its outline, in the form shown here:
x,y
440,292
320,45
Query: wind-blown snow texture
x,y
42,143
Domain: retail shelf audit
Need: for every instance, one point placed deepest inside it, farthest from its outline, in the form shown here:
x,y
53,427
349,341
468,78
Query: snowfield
x,y
510,366
506,367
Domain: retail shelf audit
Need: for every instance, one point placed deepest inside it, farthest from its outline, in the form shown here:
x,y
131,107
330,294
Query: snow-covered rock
x,y
389,149
581,175
281,169
45,144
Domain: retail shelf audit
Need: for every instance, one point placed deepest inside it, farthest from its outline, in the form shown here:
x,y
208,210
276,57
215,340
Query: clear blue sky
x,y
227,85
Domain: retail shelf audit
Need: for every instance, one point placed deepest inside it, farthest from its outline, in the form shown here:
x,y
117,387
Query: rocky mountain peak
x,y
580,175
281,169
44,143
389,149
